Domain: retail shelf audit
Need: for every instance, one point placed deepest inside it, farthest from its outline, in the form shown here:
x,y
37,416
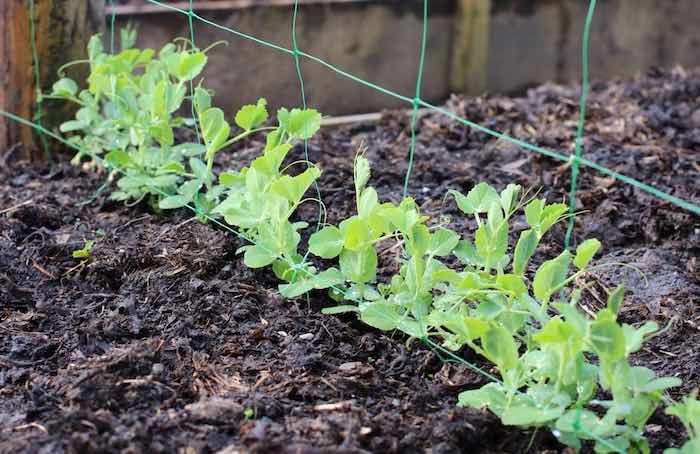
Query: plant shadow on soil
x,y
165,342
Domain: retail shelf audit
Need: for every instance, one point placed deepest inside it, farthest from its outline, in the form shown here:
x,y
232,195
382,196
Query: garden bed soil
x,y
165,342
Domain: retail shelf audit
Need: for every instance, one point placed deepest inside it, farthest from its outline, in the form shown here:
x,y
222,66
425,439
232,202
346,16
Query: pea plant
x,y
558,367
688,411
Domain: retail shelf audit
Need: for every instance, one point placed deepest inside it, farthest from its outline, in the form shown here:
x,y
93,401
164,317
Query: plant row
x,y
554,362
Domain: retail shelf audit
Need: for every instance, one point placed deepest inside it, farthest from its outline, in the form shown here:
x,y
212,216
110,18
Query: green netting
x,y
575,159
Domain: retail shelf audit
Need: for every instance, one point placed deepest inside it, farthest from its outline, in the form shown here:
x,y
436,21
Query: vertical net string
x,y
578,150
417,99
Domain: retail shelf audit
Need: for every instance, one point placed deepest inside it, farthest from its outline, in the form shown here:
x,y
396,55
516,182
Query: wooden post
x,y
469,71
62,29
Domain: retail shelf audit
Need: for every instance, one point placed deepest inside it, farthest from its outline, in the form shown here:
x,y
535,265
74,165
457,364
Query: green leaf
x,y
343,309
359,266
380,315
294,188
356,234
201,99
478,200
443,242
524,248
500,348
301,124
326,243
466,253
607,340
85,252
172,202
509,197
251,116
362,173
616,299
186,65
491,396
118,158
527,415
585,252
550,276
257,257
215,129
65,88
72,125
367,202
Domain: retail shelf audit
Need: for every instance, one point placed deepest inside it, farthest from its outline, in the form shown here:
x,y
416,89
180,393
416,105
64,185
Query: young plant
x,y
688,411
260,199
127,114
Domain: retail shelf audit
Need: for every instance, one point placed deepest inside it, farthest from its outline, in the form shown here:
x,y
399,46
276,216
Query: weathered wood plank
x,y
62,30
469,67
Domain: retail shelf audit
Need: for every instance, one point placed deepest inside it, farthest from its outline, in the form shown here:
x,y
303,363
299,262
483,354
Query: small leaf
x,y
257,257
172,202
65,88
585,252
326,243
339,309
359,266
616,299
443,242
500,348
362,173
251,116
301,124
524,248
550,276
608,340
201,99
215,129
380,315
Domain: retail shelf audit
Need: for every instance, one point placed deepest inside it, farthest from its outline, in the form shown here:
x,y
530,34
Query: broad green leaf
x,y
257,257
199,169
359,266
356,234
478,200
294,188
443,242
172,202
513,283
303,124
118,158
491,396
500,348
607,340
326,243
466,253
185,65
380,315
526,415
585,252
251,116
215,129
550,276
65,87
491,245
524,248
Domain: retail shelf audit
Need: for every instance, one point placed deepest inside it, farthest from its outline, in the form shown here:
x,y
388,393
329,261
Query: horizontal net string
x,y
543,151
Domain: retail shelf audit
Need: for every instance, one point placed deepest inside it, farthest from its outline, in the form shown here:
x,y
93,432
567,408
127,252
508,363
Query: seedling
x,y
85,252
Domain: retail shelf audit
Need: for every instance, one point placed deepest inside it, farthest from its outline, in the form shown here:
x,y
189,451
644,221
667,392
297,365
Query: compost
x,y
164,342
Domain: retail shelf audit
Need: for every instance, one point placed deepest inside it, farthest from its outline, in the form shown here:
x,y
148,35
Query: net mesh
x,y
575,159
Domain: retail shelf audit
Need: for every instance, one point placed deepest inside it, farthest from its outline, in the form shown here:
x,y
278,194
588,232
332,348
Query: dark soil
x,y
164,342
